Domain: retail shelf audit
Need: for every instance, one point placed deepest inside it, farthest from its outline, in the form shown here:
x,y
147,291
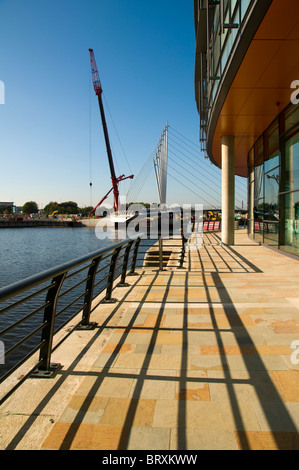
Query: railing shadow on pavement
x,y
253,362
211,278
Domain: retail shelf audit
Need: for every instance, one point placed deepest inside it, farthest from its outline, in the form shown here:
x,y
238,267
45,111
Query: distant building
x,y
247,95
11,206
6,205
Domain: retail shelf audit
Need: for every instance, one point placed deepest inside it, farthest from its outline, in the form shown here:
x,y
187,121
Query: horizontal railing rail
x,y
33,310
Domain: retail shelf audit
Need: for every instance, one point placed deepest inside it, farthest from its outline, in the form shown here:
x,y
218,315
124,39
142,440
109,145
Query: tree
x,y
85,211
69,207
50,208
30,207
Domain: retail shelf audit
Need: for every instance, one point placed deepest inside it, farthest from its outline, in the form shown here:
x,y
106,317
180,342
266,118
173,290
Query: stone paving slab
x,y
189,359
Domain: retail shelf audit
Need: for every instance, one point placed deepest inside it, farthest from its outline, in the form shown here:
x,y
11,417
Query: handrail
x,y
43,317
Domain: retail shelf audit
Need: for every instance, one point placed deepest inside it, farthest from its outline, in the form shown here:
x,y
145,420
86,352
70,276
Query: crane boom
x,y
98,91
95,74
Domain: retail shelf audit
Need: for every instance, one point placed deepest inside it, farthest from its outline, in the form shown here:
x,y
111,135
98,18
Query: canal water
x,y
28,251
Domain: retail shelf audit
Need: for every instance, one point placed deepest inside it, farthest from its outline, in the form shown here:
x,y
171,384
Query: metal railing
x,y
33,310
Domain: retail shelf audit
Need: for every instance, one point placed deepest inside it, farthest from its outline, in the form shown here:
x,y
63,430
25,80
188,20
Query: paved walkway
x,y
188,359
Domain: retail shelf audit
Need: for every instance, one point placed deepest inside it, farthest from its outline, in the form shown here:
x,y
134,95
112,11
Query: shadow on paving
x,y
213,259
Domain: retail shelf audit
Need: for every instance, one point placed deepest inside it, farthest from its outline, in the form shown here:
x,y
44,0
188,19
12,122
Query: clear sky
x,y
52,143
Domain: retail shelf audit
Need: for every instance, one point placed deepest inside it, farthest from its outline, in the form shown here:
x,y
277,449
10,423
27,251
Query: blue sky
x,y
52,142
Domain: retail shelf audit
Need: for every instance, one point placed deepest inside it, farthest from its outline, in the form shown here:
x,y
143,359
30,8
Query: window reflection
x,y
271,209
292,161
291,223
271,195
274,160
290,195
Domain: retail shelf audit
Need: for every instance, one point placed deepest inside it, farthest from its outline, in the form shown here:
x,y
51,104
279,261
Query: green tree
x,y
50,208
85,210
69,207
30,207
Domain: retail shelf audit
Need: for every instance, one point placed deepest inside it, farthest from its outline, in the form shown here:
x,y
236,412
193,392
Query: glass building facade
x,y
273,164
246,63
221,22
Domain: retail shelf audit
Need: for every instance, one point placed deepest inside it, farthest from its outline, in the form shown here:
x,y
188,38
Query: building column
x,y
228,189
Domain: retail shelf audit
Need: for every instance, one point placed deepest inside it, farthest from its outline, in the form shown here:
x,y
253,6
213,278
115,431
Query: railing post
x,y
134,259
46,369
122,282
160,253
184,241
110,281
85,322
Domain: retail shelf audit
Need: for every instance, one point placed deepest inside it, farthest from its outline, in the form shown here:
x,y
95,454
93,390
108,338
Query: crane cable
x,y
117,134
194,148
210,167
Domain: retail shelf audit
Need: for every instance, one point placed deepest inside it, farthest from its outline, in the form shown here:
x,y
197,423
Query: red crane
x,y
115,181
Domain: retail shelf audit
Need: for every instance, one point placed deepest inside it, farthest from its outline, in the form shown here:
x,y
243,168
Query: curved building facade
x,y
247,95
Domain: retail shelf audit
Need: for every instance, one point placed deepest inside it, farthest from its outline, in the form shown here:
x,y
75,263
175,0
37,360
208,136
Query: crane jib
x,y
98,90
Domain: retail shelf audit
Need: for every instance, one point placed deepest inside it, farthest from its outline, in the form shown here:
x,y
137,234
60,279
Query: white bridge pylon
x,y
160,165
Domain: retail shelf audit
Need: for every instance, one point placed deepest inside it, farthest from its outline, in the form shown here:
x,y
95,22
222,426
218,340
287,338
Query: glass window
x,y
271,212
233,5
289,199
272,162
271,150
258,219
276,182
244,7
291,116
258,182
271,195
259,148
292,161
290,229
